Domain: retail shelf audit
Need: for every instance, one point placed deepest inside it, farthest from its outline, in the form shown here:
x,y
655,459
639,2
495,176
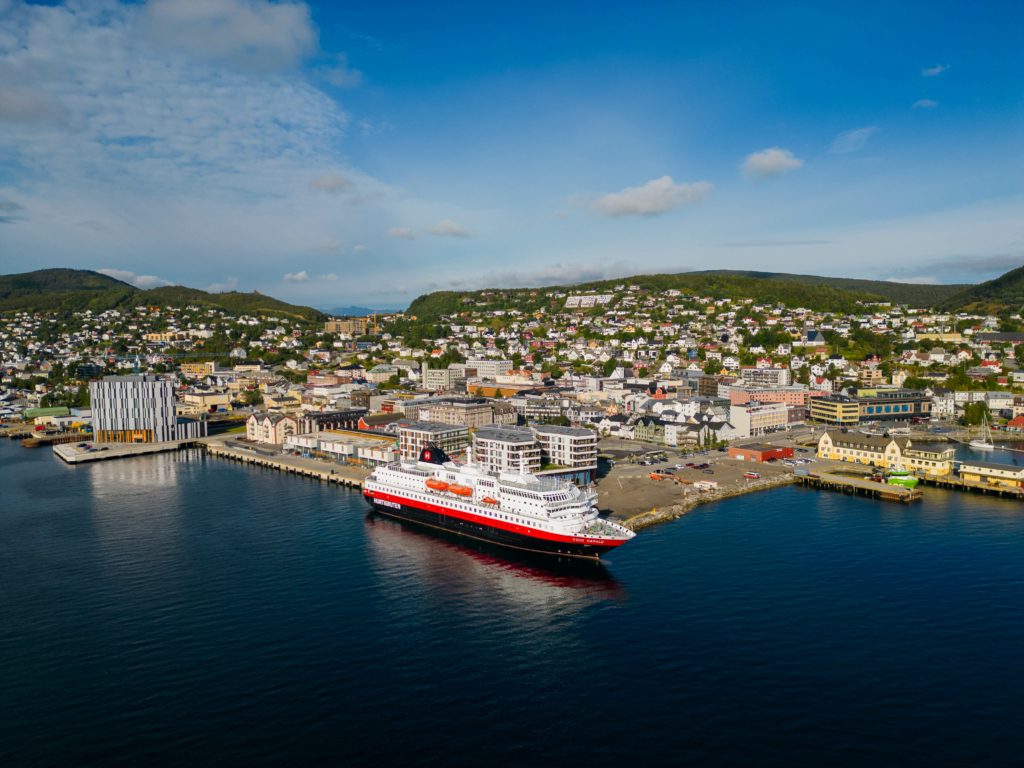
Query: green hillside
x,y
794,294
1005,291
55,290
901,293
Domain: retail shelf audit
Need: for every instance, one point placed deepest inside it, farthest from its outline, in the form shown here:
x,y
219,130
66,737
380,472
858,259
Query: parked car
x,y
709,471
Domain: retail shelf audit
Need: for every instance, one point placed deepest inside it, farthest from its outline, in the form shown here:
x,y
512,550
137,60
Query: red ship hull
x,y
484,529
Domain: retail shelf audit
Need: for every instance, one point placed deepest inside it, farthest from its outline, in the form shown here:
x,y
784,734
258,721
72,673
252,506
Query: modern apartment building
x,y
506,449
355,326
413,436
466,412
138,409
766,377
756,419
571,448
835,409
791,395
489,368
198,370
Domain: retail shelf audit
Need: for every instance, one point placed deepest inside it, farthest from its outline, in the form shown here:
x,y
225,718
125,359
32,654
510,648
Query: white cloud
x,y
403,232
938,69
914,280
769,162
447,228
139,281
27,105
328,278
327,246
654,197
229,284
386,290
297,277
255,35
330,183
561,214
926,103
359,249
852,141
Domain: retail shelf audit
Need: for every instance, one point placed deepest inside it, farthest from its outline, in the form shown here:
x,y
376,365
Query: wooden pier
x,y
829,482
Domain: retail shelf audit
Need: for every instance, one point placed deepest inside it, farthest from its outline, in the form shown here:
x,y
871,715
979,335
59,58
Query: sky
x,y
341,153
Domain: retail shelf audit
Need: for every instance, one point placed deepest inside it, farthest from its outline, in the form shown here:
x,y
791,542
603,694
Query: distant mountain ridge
x,y
49,290
358,311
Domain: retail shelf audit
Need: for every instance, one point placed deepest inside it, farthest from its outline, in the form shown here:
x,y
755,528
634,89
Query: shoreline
x,y
688,503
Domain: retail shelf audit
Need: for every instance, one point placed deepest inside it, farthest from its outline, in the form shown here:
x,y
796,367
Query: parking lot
x,y
627,489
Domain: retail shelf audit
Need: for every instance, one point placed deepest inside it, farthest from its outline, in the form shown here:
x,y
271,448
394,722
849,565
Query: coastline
x,y
690,501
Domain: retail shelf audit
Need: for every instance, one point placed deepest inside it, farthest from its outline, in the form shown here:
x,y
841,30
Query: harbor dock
x,y
854,485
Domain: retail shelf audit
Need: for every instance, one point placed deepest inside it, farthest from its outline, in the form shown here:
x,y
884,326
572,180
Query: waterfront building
x,y
413,436
138,409
760,452
994,475
835,409
756,419
858,448
345,448
569,448
893,405
270,427
466,412
506,449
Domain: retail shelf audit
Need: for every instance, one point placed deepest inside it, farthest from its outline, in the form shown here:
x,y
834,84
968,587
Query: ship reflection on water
x,y
524,576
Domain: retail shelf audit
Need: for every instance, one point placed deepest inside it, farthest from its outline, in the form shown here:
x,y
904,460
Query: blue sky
x,y
335,154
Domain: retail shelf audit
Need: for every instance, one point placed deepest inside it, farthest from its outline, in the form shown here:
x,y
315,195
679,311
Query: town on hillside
x,y
530,379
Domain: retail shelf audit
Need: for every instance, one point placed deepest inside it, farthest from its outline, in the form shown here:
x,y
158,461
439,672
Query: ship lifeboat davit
x,y
489,500
460,490
437,485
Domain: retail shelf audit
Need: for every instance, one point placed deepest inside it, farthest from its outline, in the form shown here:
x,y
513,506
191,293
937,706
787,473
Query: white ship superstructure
x,y
516,509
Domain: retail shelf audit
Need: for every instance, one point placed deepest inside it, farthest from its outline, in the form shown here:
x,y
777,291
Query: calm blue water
x,y
181,610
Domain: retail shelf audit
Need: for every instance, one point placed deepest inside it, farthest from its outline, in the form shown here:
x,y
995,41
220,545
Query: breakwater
x,y
696,498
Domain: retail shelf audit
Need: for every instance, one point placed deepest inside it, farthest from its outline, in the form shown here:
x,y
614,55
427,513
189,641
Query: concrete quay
x,y
228,447
80,453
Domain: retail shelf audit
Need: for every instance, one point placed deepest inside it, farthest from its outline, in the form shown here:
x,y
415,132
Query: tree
x,y
252,397
711,367
610,366
975,412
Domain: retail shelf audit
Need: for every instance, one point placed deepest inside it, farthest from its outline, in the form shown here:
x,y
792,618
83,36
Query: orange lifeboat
x,y
437,485
489,500
460,490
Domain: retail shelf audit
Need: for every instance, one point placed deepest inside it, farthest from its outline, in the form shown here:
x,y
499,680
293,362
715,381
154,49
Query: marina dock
x,y
853,485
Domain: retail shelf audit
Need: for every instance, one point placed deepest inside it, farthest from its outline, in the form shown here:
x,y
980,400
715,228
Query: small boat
x,y
902,478
437,485
983,444
489,500
460,490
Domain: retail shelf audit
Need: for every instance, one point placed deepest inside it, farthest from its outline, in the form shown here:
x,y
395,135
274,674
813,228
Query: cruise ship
x,y
514,509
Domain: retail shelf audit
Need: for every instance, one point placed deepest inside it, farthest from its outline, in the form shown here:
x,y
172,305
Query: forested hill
x,y
55,290
901,293
1004,292
793,294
